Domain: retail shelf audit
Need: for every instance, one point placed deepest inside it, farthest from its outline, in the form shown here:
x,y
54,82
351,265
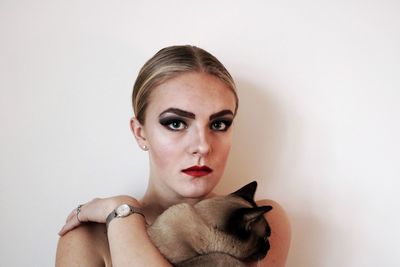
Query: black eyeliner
x,y
168,120
227,122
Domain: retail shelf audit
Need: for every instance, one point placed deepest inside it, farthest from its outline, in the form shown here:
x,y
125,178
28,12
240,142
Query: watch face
x,y
123,210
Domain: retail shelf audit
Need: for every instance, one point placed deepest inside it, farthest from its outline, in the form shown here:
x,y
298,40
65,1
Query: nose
x,y
201,143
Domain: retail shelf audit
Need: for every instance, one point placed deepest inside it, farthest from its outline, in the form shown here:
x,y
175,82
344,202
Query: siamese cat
x,y
219,231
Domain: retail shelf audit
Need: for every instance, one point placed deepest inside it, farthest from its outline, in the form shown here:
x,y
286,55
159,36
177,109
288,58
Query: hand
x,y
96,210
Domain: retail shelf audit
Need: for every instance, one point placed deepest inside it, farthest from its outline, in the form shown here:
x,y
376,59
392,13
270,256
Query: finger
x,y
71,215
66,228
63,231
72,221
77,214
70,224
80,215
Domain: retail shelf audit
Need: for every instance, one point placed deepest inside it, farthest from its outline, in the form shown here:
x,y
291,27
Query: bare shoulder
x,y
280,234
86,245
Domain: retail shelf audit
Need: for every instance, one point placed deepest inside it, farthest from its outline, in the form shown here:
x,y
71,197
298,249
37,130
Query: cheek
x,y
165,150
222,148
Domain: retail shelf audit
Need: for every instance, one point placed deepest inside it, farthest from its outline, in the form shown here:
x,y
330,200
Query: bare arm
x,y
130,245
126,242
86,245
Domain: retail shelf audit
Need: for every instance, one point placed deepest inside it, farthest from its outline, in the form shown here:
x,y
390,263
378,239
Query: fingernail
x,y
60,232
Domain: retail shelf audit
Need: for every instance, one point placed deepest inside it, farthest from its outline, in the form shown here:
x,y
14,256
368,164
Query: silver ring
x,y
78,210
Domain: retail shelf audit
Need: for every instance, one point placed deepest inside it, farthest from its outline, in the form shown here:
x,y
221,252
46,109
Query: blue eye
x,y
221,125
173,124
176,125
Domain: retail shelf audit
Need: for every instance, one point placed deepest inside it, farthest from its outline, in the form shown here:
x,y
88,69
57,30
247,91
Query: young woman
x,y
184,102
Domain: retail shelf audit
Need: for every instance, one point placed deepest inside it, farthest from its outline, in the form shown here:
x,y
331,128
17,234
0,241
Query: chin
x,y
198,187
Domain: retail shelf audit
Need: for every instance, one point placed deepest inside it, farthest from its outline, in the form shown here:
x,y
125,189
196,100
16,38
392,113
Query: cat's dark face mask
x,y
249,224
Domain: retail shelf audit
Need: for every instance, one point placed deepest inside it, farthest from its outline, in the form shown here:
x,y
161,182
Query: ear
x,y
252,217
139,133
242,220
247,192
253,213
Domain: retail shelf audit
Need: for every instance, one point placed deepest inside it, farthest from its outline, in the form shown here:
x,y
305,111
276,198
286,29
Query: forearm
x,y
127,238
130,244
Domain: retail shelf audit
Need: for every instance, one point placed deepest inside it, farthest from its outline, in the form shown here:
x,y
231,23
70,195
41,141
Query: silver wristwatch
x,y
123,211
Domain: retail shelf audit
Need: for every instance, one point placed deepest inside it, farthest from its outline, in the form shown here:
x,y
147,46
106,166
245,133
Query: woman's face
x,y
188,133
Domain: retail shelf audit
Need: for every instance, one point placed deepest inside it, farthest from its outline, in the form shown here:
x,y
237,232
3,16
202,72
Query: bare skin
x,y
89,242
181,130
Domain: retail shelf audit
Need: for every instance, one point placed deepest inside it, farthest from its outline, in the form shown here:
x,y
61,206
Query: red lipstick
x,y
197,171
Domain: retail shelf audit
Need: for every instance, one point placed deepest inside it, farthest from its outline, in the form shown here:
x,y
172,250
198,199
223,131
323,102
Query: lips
x,y
197,171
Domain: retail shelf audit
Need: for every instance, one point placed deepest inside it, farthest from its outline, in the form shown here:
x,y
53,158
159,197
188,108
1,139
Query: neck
x,y
156,200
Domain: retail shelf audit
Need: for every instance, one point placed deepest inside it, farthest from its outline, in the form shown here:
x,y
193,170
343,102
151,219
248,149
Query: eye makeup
x,y
173,123
221,125
221,114
175,119
178,112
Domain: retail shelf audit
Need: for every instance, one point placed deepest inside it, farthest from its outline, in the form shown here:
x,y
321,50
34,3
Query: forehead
x,y
195,92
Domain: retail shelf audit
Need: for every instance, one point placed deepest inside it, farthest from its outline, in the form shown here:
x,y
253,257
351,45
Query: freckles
x,y
223,151
166,151
223,145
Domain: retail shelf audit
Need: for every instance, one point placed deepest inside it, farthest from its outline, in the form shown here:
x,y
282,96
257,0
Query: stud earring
x,y
145,148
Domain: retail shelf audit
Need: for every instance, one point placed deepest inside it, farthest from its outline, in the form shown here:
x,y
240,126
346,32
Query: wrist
x,y
123,211
116,203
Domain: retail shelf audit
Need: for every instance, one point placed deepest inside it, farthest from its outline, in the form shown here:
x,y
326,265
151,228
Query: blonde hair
x,y
170,62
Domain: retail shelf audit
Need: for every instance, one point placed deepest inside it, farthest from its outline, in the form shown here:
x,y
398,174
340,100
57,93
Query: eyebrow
x,y
191,115
179,112
221,113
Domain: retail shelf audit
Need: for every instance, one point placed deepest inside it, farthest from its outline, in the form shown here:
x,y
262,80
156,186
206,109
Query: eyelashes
x,y
221,125
173,123
178,124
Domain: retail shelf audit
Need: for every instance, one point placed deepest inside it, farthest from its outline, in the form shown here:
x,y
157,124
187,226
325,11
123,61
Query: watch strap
x,y
114,214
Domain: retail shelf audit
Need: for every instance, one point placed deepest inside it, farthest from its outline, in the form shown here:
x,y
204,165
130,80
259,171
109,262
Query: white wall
x,y
318,124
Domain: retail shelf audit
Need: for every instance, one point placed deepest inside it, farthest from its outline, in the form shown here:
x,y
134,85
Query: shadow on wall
x,y
260,137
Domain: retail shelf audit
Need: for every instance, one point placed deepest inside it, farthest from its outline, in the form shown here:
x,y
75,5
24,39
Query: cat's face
x,y
239,222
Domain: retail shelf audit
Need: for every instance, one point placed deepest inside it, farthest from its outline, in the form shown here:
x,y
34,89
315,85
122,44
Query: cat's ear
x,y
252,214
247,191
243,220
